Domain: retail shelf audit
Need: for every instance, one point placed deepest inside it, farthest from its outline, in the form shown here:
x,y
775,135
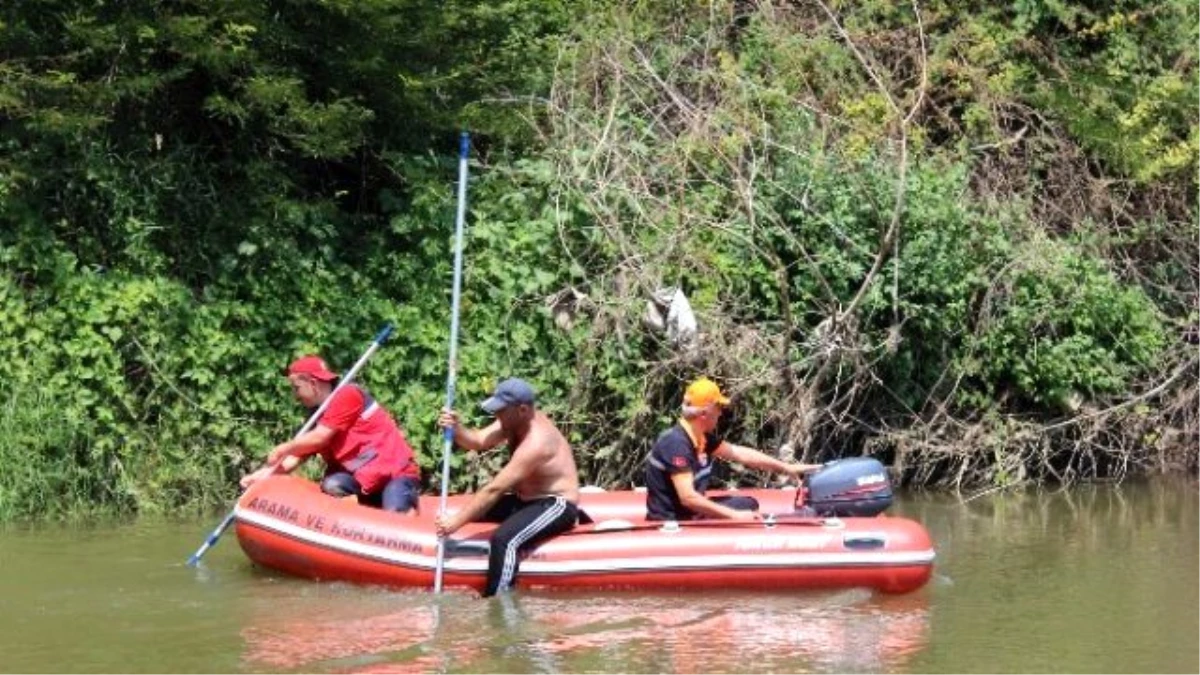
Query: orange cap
x,y
704,392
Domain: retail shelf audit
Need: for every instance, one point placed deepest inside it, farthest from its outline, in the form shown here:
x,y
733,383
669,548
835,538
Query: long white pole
x,y
448,445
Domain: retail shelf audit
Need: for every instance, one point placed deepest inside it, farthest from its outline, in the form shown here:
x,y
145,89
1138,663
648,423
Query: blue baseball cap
x,y
513,391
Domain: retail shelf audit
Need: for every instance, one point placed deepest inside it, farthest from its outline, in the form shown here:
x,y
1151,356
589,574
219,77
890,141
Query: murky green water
x,y
1090,580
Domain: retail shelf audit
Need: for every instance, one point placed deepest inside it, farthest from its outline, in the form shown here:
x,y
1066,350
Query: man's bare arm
x,y
523,463
756,459
308,443
487,438
698,503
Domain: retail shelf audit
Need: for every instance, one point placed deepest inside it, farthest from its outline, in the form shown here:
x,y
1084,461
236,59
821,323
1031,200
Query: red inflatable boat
x,y
286,523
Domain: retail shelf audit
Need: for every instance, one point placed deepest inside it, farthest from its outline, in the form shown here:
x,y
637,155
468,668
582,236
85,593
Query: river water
x,y
1094,579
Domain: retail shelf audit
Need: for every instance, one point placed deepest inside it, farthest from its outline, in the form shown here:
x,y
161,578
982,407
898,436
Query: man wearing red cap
x,y
680,463
365,452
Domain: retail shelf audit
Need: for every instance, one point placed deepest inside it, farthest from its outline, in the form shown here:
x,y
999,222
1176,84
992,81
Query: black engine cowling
x,y
851,487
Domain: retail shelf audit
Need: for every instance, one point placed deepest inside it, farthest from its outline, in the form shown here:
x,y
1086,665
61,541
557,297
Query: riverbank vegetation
x,y
960,238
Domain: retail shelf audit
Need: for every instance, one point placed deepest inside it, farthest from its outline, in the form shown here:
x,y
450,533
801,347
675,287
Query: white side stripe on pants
x,y
509,571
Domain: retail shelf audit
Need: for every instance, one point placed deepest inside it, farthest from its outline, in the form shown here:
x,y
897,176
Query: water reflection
x,y
1095,579
291,644
849,631
285,630
1092,579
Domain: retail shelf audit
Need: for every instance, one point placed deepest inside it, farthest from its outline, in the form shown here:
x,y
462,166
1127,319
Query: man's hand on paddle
x,y
279,453
445,525
447,418
252,478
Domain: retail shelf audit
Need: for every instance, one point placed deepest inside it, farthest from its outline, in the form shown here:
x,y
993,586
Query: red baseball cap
x,y
312,365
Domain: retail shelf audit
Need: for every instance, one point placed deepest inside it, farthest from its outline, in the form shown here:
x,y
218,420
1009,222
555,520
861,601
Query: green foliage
x,y
764,188
51,472
1058,326
192,194
1124,97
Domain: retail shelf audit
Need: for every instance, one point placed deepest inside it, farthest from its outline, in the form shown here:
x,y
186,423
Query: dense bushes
x,y
925,265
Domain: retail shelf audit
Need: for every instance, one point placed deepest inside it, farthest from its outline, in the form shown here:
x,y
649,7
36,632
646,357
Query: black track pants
x,y
522,524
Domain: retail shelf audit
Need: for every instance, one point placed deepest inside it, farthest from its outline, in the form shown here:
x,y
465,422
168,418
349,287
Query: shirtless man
x,y
533,497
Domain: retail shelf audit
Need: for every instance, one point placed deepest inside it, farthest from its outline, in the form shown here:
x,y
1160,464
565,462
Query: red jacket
x,y
368,443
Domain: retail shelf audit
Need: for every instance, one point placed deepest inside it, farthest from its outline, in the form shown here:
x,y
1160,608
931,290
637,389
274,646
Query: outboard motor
x,y
854,487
